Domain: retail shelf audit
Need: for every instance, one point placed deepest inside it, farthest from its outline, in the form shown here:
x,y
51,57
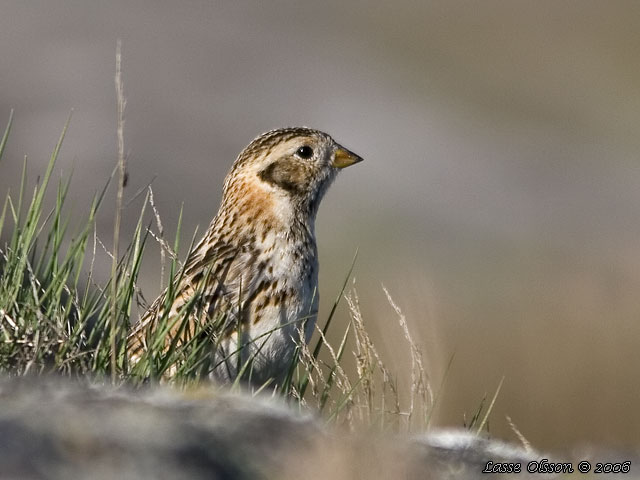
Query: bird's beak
x,y
343,158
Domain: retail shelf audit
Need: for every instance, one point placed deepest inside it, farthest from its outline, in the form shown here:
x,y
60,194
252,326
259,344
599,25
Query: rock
x,y
52,428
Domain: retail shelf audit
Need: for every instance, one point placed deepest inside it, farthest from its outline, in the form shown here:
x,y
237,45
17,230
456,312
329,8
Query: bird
x,y
249,287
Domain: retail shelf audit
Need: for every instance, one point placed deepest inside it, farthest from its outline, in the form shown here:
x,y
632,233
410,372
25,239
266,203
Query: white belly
x,y
264,349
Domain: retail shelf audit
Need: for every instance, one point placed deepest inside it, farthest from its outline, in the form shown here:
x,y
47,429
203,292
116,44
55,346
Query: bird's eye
x,y
305,152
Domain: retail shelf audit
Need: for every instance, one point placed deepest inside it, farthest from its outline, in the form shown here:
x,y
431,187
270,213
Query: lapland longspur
x,y
252,280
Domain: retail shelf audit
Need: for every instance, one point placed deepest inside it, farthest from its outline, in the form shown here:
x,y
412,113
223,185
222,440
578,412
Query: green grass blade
x,y
438,396
490,408
325,329
5,137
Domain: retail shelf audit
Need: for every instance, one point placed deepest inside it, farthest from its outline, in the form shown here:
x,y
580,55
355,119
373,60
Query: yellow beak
x,y
343,158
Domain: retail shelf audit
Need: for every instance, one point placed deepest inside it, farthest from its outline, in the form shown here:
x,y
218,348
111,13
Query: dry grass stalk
x,y
118,214
420,387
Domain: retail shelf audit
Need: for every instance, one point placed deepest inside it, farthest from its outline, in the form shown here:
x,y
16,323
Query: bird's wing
x,y
223,279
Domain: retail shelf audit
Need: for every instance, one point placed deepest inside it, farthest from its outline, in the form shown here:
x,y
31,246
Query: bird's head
x,y
288,168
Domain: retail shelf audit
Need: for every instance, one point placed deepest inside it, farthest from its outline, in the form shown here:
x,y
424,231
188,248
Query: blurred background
x,y
498,203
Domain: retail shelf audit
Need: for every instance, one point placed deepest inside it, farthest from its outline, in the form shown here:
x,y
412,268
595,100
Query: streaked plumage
x,y
255,271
